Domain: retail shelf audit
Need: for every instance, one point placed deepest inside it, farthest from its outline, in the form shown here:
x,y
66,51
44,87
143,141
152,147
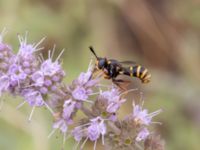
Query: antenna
x,y
92,50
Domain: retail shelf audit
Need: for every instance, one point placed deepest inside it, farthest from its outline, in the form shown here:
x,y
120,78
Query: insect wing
x,y
127,62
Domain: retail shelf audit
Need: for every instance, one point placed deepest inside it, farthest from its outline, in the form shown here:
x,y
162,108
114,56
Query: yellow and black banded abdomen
x,y
140,72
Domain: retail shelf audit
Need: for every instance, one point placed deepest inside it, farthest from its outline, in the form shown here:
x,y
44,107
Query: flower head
x,y
45,78
112,98
92,130
6,55
65,117
96,128
82,87
26,49
49,75
16,74
81,93
68,109
34,98
78,133
38,78
5,81
26,56
49,68
61,124
142,135
141,116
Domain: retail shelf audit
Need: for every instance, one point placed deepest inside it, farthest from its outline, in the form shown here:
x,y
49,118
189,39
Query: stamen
x,y
80,131
155,113
53,51
61,62
51,133
94,93
133,104
128,91
76,146
31,114
2,34
142,104
89,101
64,139
83,143
4,31
38,49
60,55
39,42
95,144
141,99
20,105
25,38
20,39
41,56
155,122
105,120
49,108
100,90
59,91
49,54
83,125
102,139
40,60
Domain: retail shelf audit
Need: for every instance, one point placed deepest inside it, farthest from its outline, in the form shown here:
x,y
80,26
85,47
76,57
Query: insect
x,y
112,68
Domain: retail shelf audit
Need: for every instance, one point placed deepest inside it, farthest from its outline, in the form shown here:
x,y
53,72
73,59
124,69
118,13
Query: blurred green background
x,y
162,35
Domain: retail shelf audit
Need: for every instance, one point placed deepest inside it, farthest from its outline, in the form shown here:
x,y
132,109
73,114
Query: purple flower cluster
x,y
40,83
95,128
142,119
29,75
6,59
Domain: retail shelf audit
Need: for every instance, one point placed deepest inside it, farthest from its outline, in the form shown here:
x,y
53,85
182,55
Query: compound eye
x,y
101,64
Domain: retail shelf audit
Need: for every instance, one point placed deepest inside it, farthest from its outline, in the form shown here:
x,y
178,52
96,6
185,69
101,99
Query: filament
x,y
94,93
60,55
95,144
102,139
76,146
49,108
31,114
51,133
20,105
83,143
53,51
39,42
128,91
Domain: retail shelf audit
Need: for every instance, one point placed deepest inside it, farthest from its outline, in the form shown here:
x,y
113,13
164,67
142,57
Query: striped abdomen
x,y
139,72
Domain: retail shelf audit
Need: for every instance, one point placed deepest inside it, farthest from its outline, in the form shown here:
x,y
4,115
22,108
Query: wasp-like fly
x,y
112,68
